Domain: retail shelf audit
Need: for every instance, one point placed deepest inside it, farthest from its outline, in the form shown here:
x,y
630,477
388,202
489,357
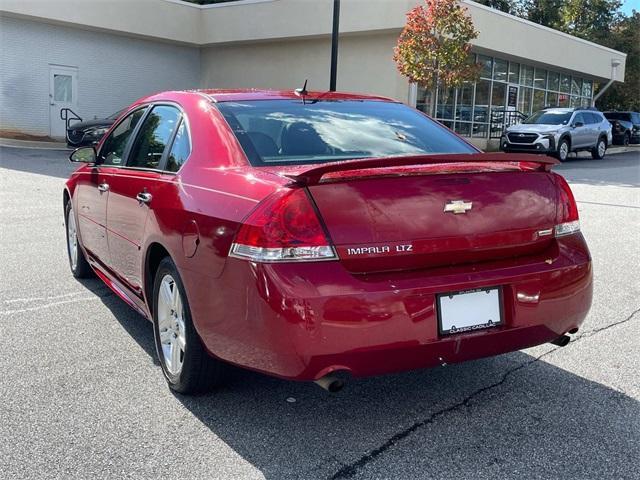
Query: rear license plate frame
x,y
490,324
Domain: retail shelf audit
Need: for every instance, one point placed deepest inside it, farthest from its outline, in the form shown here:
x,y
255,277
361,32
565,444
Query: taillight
x,y
283,228
567,221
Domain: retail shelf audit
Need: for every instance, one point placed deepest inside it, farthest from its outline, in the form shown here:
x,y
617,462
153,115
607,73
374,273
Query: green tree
x,y
544,12
625,37
590,19
434,47
508,6
599,21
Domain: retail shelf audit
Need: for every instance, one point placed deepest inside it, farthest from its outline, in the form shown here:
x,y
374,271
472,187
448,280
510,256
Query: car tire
x,y
600,149
564,148
80,268
626,140
186,365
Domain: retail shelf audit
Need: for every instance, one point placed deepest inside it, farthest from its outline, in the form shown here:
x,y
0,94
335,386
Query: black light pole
x,y
334,45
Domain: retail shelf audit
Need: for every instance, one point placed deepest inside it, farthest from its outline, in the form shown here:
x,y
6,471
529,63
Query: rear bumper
x,y
302,321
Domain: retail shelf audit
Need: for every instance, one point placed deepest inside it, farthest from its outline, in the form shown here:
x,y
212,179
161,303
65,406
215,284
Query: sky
x,y
628,5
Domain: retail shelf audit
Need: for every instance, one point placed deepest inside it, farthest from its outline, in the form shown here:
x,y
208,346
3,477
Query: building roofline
x,y
538,26
231,3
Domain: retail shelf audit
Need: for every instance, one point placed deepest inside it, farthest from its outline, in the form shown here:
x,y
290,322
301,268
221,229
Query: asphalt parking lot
x,y
81,395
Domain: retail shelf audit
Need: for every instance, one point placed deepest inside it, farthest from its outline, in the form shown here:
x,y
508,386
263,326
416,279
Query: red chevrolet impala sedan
x,y
313,236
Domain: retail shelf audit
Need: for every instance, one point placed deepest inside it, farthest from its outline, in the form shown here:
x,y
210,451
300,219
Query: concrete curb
x,y
33,144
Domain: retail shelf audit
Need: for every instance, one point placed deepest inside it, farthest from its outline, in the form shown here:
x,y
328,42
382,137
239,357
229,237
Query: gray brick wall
x,y
113,70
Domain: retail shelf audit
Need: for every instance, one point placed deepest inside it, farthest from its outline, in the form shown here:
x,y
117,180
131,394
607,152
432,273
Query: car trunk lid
x,y
403,222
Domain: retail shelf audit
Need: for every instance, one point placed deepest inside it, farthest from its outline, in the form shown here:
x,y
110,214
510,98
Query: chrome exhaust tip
x,y
331,383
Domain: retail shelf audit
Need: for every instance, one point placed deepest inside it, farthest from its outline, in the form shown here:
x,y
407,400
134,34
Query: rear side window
x,y
286,132
112,150
153,137
619,116
180,149
579,118
593,118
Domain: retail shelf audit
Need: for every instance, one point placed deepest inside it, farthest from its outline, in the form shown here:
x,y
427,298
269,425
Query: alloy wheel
x,y
602,148
564,151
171,325
72,239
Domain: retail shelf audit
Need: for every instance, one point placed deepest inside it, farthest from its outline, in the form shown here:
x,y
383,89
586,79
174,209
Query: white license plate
x,y
469,310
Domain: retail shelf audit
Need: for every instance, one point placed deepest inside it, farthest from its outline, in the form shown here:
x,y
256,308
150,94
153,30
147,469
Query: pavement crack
x,y
595,331
351,469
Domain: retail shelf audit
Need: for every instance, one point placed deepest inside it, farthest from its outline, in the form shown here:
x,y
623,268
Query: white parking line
x,y
37,299
47,305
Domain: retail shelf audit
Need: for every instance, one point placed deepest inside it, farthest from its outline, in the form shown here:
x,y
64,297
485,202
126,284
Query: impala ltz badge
x,y
457,206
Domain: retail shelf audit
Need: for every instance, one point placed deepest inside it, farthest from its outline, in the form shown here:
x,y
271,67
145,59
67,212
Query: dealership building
x,y
96,57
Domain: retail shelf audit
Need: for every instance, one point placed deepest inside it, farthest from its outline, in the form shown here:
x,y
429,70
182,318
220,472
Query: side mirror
x,y
83,155
578,124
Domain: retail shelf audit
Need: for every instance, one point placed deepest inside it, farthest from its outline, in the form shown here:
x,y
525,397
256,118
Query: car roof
x,y
235,95
559,109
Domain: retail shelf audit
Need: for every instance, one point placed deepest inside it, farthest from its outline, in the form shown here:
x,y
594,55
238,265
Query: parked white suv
x,y
559,131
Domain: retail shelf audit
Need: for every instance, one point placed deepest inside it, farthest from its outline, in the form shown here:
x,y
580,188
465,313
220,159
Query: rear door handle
x,y
103,187
144,197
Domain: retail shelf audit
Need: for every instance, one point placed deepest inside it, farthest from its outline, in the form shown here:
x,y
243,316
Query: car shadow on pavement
x,y
507,416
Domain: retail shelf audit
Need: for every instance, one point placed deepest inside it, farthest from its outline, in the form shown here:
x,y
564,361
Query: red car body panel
x,y
367,315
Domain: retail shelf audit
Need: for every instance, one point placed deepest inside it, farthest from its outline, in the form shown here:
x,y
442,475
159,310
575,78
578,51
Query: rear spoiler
x,y
314,175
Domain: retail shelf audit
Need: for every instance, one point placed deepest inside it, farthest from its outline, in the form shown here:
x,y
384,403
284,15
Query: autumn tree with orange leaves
x,y
434,47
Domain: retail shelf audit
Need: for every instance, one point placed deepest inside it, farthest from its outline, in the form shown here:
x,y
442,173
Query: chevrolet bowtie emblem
x,y
457,206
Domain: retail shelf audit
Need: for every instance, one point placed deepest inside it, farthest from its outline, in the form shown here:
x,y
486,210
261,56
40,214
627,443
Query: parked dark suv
x,y
633,118
560,131
90,132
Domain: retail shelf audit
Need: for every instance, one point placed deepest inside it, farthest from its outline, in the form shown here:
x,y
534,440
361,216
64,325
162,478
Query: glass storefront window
x,y
424,101
526,75
498,95
446,100
540,79
500,70
470,109
480,130
514,72
463,128
563,100
538,100
524,100
554,81
481,109
464,106
576,86
487,64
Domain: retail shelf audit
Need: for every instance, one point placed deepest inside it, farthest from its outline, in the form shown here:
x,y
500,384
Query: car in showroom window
x,y
323,236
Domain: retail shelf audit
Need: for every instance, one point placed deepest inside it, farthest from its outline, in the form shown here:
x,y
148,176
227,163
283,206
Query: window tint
x,y
153,137
594,118
113,148
180,149
579,118
618,116
546,117
284,132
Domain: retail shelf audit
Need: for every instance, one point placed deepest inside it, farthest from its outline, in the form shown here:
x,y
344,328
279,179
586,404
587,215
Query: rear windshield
x,y
618,116
549,118
286,132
